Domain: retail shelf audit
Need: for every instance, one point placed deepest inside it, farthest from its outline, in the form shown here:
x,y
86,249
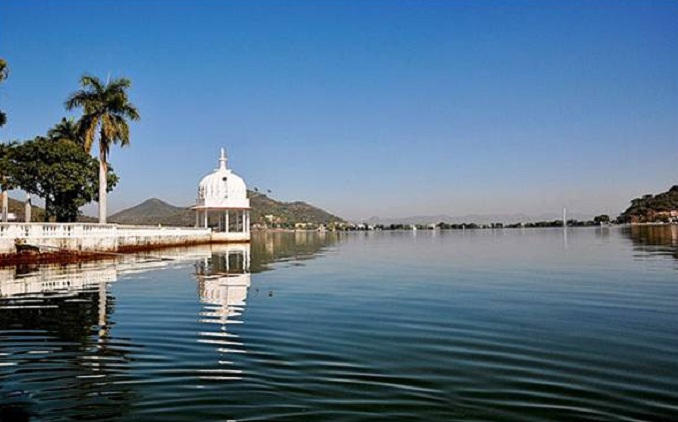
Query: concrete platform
x,y
84,237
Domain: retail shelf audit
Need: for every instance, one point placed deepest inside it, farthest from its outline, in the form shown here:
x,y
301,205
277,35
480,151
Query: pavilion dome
x,y
222,188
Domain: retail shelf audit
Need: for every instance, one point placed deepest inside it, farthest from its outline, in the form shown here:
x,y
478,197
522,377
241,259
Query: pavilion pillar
x,y
228,223
197,217
206,213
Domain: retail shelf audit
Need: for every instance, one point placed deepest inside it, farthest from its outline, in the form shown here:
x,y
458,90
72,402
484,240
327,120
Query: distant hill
x,y
17,207
288,212
651,208
155,211
38,213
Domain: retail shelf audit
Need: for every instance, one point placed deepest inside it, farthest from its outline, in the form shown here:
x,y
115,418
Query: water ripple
x,y
382,328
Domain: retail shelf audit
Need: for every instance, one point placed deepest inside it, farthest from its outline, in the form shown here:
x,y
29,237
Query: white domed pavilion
x,y
222,203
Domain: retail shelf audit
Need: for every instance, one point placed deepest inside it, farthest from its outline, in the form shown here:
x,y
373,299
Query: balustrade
x,y
81,230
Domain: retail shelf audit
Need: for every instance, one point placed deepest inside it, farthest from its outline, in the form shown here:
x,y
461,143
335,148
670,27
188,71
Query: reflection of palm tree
x,y
106,109
65,322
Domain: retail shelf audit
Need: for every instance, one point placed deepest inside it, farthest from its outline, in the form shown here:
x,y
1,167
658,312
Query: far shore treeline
x,y
57,166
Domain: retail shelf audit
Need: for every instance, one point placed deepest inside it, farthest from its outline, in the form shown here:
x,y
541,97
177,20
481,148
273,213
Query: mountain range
x,y
156,211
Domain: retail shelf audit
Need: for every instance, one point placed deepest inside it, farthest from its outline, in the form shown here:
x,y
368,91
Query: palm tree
x,y
106,109
4,73
66,130
5,179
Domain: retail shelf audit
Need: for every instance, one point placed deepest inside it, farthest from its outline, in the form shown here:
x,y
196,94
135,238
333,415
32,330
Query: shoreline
x,y
69,256
47,254
75,242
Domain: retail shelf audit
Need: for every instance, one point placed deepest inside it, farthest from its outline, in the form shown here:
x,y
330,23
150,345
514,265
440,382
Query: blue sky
x,y
388,108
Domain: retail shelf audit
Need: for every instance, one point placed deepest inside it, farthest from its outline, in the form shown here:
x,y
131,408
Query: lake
x,y
474,325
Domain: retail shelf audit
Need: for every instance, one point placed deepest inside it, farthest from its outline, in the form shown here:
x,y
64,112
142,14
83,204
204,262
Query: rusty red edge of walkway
x,y
68,256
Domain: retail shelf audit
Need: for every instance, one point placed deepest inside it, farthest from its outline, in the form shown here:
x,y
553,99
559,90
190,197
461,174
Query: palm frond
x,y
121,130
4,70
88,127
108,132
119,84
89,81
83,98
67,129
106,109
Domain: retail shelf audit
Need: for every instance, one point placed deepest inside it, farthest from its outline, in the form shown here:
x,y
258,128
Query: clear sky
x,y
388,108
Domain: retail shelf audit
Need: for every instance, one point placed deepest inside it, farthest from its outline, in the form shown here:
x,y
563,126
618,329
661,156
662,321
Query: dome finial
x,y
222,159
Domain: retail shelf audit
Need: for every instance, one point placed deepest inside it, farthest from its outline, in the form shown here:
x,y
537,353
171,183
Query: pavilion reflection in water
x,y
58,320
223,273
56,324
223,282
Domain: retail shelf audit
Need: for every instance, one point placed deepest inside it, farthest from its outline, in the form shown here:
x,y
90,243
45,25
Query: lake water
x,y
487,325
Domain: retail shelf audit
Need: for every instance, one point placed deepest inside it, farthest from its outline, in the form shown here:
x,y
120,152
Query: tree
x,y
106,109
4,73
603,218
60,172
6,182
67,130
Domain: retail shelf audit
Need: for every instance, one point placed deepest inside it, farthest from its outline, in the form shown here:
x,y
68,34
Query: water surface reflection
x,y
65,355
491,325
223,282
54,325
654,240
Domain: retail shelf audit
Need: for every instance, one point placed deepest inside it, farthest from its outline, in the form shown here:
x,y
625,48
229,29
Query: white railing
x,y
83,230
55,230
159,231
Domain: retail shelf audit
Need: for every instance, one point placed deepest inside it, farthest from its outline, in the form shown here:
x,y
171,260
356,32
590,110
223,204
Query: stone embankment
x,y
63,242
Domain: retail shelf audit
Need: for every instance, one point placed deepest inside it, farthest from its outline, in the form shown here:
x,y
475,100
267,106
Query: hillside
x,y
38,213
287,212
155,211
17,207
651,208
